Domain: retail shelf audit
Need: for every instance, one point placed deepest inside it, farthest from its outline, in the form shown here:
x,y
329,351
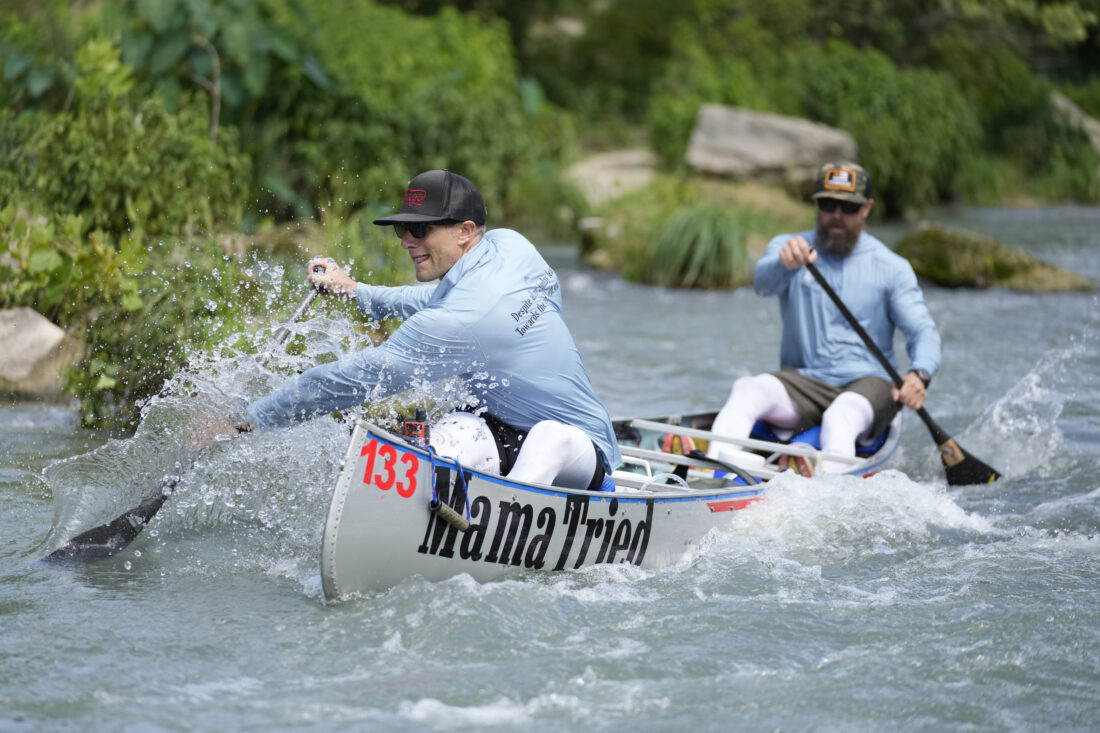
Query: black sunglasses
x,y
828,206
419,229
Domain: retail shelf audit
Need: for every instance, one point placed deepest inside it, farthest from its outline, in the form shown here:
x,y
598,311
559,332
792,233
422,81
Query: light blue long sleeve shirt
x,y
494,319
880,289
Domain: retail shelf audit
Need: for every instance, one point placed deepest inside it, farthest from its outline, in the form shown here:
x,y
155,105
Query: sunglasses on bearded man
x,y
828,206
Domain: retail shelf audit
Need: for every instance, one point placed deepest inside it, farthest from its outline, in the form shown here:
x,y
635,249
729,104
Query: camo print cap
x,y
843,180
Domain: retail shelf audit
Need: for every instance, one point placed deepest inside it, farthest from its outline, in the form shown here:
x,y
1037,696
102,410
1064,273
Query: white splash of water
x,y
1019,433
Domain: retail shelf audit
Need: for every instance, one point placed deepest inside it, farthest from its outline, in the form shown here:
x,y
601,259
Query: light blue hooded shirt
x,y
494,319
879,288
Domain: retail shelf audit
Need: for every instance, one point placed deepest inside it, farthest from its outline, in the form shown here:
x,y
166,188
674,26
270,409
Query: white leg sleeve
x,y
759,397
466,438
846,419
557,454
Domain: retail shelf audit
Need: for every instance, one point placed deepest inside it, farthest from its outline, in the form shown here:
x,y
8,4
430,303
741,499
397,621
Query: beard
x,y
840,244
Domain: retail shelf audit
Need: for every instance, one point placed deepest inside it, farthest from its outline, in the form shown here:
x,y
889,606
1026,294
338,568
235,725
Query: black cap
x,y
437,195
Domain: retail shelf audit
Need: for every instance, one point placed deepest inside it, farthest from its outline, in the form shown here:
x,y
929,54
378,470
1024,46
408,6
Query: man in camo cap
x,y
827,375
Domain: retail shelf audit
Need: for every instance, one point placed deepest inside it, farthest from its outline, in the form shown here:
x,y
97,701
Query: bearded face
x,y
837,231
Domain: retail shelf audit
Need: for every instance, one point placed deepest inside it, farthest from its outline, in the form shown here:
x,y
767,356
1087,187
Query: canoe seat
x,y
763,431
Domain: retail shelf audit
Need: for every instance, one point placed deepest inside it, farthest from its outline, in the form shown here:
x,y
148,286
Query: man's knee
x,y
555,436
851,409
467,439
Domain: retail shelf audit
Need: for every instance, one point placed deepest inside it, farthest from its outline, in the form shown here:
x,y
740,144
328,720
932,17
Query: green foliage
x,y
1005,94
692,78
616,48
231,50
913,126
542,203
734,221
701,246
371,253
412,94
47,262
137,324
1047,158
36,54
130,168
985,180
1085,95
190,300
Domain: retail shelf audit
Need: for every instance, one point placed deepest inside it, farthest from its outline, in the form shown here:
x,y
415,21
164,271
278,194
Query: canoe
x,y
399,510
654,444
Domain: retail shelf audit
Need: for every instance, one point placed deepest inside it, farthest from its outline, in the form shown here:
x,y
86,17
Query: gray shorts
x,y
811,397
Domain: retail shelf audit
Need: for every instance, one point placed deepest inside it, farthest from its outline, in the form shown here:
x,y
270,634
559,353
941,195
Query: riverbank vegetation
x,y
153,152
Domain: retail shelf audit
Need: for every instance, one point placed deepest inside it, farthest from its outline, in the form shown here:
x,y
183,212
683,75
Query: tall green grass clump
x,y
692,232
701,246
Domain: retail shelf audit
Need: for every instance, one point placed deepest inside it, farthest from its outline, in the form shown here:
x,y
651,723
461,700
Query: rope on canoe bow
x,y
444,512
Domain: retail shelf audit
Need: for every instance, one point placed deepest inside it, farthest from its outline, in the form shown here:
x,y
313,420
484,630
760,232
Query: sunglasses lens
x,y
416,228
828,206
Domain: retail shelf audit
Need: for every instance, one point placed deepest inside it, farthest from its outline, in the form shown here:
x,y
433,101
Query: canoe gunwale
x,y
858,466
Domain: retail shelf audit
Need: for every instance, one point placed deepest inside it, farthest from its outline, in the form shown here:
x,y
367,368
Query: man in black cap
x,y
827,375
494,320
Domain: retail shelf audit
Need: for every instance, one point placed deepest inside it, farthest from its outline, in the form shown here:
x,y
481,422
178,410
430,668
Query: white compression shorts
x,y
553,453
763,397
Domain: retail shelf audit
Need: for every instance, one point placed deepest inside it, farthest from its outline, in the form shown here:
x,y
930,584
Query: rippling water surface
x,y
836,604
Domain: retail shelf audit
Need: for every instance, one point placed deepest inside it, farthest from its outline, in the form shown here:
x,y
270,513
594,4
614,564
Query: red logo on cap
x,y
415,197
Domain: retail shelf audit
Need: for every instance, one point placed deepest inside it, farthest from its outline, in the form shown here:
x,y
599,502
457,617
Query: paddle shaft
x,y
113,537
961,468
937,432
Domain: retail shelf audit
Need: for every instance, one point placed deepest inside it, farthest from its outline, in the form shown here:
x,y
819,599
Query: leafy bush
x,y
409,96
693,78
130,168
911,153
36,54
137,324
232,51
1048,159
1085,95
914,127
112,175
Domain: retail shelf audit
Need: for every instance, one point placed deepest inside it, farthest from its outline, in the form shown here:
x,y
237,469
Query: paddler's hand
x,y
796,252
328,277
212,426
911,394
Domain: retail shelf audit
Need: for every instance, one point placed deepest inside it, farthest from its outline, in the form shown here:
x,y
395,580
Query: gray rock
x,y
742,144
33,352
607,176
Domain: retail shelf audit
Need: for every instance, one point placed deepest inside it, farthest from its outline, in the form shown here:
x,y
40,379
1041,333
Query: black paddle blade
x,y
963,469
112,538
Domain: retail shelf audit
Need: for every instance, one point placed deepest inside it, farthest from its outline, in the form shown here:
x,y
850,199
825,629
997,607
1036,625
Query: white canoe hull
x,y
380,529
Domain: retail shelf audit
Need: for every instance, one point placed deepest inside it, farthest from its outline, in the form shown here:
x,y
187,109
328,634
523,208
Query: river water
x,y
895,602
